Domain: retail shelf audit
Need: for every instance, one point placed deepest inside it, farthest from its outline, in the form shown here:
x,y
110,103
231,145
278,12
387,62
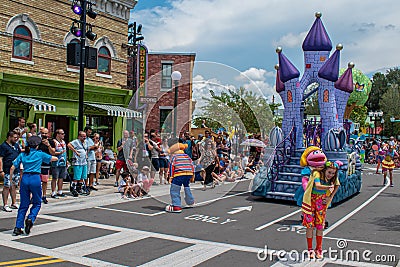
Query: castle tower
x,y
316,47
345,88
292,95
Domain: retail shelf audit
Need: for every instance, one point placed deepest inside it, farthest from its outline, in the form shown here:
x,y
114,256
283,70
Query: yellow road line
x,y
36,263
24,260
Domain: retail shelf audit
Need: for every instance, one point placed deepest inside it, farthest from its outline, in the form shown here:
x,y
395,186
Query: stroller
x,y
104,172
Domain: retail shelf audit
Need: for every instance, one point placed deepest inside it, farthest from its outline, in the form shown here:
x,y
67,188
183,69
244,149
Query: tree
x,y
390,106
238,107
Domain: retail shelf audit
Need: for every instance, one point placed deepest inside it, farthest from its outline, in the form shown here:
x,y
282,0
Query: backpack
x,y
195,151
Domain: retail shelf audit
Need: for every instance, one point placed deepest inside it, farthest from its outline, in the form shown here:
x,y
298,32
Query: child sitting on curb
x,y
181,171
125,186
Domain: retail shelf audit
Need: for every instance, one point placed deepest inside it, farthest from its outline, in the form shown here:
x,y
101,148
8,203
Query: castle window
x,y
289,97
326,95
22,43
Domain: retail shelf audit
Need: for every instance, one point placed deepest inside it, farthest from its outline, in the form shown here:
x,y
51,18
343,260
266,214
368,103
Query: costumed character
x,y
352,160
388,166
181,172
312,159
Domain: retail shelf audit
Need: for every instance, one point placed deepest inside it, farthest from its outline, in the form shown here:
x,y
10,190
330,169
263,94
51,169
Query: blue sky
x,y
240,37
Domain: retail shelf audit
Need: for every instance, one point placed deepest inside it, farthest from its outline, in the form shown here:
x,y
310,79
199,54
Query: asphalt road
x,y
228,227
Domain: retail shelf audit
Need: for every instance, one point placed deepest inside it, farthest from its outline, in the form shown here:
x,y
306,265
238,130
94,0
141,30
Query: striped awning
x,y
36,104
116,111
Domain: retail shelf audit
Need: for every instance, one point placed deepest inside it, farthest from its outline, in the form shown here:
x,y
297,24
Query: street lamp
x,y
376,116
383,126
176,77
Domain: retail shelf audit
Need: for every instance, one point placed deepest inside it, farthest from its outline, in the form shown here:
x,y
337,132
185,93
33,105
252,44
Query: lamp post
x,y
176,77
376,116
383,127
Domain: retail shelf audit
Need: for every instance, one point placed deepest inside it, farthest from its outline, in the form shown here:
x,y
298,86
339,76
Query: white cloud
x,y
291,40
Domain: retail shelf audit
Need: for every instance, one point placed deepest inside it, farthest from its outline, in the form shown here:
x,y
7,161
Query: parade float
x,y
280,177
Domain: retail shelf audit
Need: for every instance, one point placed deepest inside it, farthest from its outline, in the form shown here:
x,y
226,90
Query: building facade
x,y
159,114
36,82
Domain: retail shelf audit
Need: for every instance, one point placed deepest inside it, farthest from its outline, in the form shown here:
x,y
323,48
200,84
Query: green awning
x,y
36,104
116,111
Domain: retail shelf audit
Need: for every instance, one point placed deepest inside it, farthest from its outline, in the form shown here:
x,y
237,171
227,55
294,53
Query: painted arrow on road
x,y
240,209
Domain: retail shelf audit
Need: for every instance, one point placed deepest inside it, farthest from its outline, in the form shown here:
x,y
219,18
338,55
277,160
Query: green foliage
x,y
362,87
237,107
359,115
390,107
312,106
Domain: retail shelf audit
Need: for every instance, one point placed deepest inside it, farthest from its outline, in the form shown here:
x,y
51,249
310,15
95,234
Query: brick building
x,y
159,115
33,39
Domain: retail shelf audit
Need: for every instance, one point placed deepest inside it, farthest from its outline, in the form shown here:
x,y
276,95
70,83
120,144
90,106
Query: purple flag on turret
x,y
330,70
345,82
287,70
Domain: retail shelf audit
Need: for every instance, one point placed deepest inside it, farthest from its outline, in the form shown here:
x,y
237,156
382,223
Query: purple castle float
x,y
280,178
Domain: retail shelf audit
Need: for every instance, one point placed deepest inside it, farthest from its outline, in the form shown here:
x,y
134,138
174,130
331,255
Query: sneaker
x,y
326,225
28,226
14,206
54,196
7,208
173,209
191,205
95,183
311,254
116,184
61,195
93,188
318,254
391,185
75,193
44,200
17,231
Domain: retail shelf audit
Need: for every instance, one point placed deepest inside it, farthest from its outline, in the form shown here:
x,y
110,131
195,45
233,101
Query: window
x,y
104,61
22,43
166,80
166,120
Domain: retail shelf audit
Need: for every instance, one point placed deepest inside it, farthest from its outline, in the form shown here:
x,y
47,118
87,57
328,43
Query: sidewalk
x,y
107,194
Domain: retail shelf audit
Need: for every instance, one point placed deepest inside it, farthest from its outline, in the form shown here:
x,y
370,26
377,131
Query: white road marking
x,y
240,209
277,220
363,242
345,218
219,198
190,256
5,240
353,263
132,212
101,243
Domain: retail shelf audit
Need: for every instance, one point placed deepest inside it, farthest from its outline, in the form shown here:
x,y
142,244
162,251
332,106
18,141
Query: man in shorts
x,y
9,151
47,146
59,167
79,162
91,159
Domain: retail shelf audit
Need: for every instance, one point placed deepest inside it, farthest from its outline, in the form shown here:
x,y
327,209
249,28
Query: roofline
x,y
173,53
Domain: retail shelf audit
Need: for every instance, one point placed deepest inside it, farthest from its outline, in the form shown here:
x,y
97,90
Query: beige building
x,y
33,39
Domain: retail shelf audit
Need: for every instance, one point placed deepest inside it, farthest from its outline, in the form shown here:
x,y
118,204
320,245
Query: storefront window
x,y
102,125
166,120
14,115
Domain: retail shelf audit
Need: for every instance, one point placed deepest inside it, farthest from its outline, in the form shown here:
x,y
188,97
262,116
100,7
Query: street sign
x,y
147,100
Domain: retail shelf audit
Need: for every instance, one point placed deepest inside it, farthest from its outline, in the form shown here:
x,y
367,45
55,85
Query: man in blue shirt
x,y
9,151
79,162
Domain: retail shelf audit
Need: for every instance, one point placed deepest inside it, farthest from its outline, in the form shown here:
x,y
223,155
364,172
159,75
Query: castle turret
x,y
292,95
345,88
329,73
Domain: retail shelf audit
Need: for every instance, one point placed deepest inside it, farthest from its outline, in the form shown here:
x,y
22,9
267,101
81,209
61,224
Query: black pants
x,y
210,168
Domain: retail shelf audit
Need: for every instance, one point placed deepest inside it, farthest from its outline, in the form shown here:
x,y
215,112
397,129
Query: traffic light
x,y
134,33
80,28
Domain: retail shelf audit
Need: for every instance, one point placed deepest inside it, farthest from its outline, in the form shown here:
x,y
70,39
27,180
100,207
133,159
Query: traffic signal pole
x,y
82,65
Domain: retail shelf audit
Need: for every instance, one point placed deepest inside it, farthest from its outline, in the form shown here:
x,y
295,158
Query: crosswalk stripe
x,y
189,256
37,263
24,260
101,243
